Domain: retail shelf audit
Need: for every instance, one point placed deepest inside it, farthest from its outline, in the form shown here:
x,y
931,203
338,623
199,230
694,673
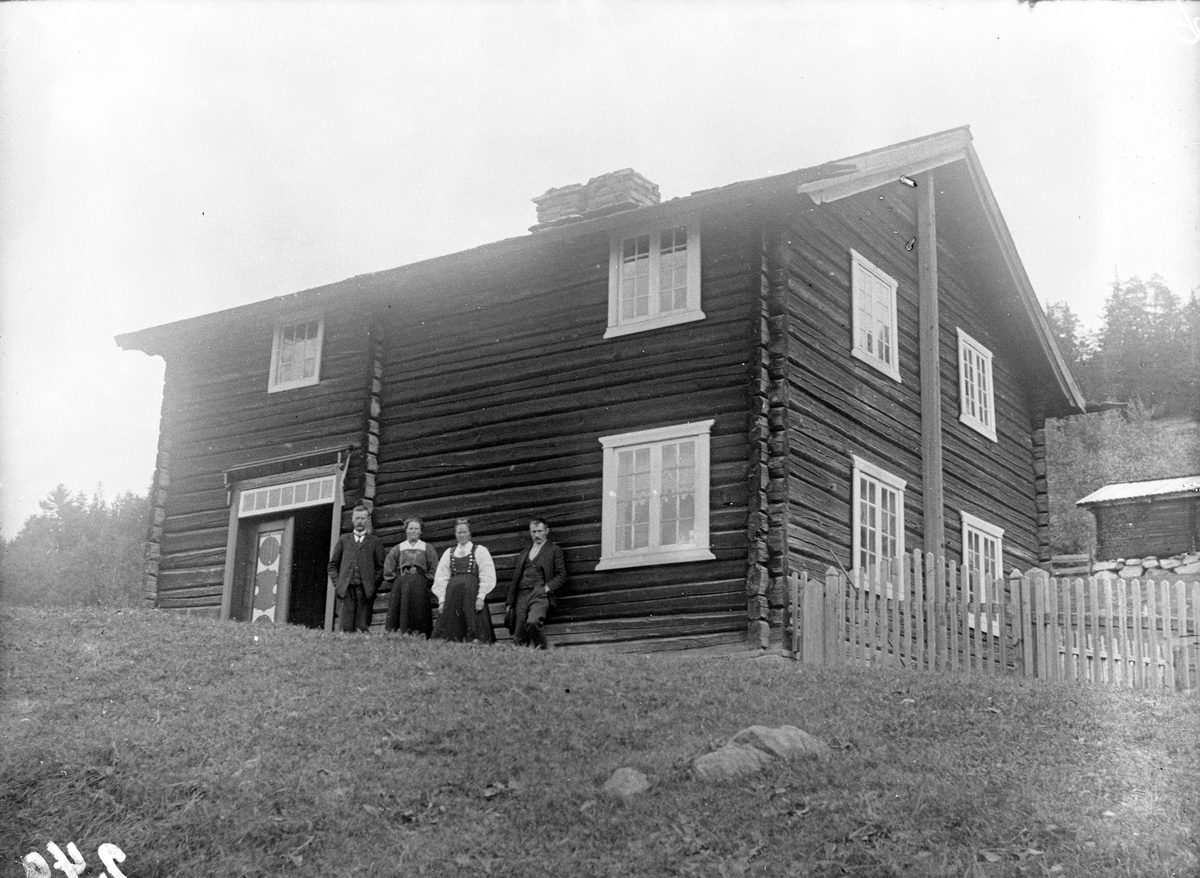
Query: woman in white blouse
x,y
465,576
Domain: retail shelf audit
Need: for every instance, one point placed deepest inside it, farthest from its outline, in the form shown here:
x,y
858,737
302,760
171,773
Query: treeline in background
x,y
1145,360
78,551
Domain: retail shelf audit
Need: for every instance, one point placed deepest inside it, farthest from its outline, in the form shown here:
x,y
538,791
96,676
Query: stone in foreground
x,y
626,783
753,749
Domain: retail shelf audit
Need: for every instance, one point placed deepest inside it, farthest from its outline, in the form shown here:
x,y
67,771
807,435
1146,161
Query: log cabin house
x,y
1157,518
700,395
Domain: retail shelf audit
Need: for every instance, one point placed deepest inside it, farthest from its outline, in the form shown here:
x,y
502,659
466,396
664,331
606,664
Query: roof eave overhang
x,y
1132,501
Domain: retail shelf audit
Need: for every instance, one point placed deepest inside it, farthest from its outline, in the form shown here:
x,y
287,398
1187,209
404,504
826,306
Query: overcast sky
x,y
163,160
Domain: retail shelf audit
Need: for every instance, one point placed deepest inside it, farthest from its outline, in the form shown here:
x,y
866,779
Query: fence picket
x,y
1042,590
833,587
1152,635
973,580
1094,606
935,575
1135,598
868,637
1168,644
1070,670
840,588
1025,628
1127,676
793,610
898,585
880,609
1192,631
1080,629
1183,669
1110,633
860,619
918,616
1056,655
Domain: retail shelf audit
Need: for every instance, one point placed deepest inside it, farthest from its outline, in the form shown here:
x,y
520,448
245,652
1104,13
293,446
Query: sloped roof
x,y
1155,489
822,183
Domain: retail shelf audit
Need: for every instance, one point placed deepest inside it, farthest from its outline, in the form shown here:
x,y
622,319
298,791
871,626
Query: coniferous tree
x,y
78,551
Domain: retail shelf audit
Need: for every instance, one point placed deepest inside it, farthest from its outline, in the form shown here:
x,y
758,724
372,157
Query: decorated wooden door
x,y
270,568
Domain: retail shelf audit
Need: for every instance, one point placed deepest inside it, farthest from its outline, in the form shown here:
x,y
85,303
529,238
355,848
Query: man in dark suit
x,y
539,573
356,568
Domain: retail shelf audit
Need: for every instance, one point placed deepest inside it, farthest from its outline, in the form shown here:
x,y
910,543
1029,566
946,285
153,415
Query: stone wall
x,y
1151,567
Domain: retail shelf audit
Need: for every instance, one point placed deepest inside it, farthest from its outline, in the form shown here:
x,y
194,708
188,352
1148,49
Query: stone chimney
x,y
609,193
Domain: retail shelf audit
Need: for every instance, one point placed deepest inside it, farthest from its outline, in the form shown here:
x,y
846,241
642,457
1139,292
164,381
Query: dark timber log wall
x,y
498,387
839,406
219,415
1148,527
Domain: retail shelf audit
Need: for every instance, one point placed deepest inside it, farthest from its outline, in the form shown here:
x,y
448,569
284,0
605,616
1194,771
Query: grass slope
x,y
203,749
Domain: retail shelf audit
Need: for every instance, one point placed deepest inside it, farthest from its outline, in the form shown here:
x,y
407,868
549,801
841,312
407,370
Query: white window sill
x,y
292,385
877,364
979,427
646,559
654,323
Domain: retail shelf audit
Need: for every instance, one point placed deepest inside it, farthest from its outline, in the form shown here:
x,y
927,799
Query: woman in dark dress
x,y
464,577
409,568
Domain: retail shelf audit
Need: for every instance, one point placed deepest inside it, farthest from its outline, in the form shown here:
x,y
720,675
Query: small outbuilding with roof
x,y
1160,517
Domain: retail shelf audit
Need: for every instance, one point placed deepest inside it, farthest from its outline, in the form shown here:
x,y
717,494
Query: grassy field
x,y
213,749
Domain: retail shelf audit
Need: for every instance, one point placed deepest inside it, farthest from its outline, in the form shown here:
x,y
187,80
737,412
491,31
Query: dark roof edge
x,y
1062,372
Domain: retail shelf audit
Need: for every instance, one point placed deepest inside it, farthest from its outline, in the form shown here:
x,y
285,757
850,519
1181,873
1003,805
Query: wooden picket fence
x,y
933,616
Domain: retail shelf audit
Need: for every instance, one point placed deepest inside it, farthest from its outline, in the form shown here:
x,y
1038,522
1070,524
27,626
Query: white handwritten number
x,y
1192,25
110,855
69,869
35,866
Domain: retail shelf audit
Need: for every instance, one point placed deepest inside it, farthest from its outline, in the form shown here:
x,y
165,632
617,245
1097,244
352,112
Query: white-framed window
x,y
655,506
878,513
289,495
873,316
653,278
296,353
983,559
977,406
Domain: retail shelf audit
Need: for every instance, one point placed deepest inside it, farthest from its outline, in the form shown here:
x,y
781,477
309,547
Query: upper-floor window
x,y
655,505
296,353
878,512
654,279
977,407
873,316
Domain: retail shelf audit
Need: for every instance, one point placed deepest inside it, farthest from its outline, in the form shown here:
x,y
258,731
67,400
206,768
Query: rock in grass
x,y
753,749
626,783
730,763
785,742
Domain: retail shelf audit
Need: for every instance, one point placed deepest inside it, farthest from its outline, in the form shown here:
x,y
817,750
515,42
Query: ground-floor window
x,y
878,526
655,505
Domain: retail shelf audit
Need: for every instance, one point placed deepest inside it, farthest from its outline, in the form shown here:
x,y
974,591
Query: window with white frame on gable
x,y
296,353
878,526
873,316
654,279
983,560
655,504
977,406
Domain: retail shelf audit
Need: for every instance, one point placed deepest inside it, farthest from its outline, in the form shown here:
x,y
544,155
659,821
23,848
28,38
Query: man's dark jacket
x,y
549,561
370,555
